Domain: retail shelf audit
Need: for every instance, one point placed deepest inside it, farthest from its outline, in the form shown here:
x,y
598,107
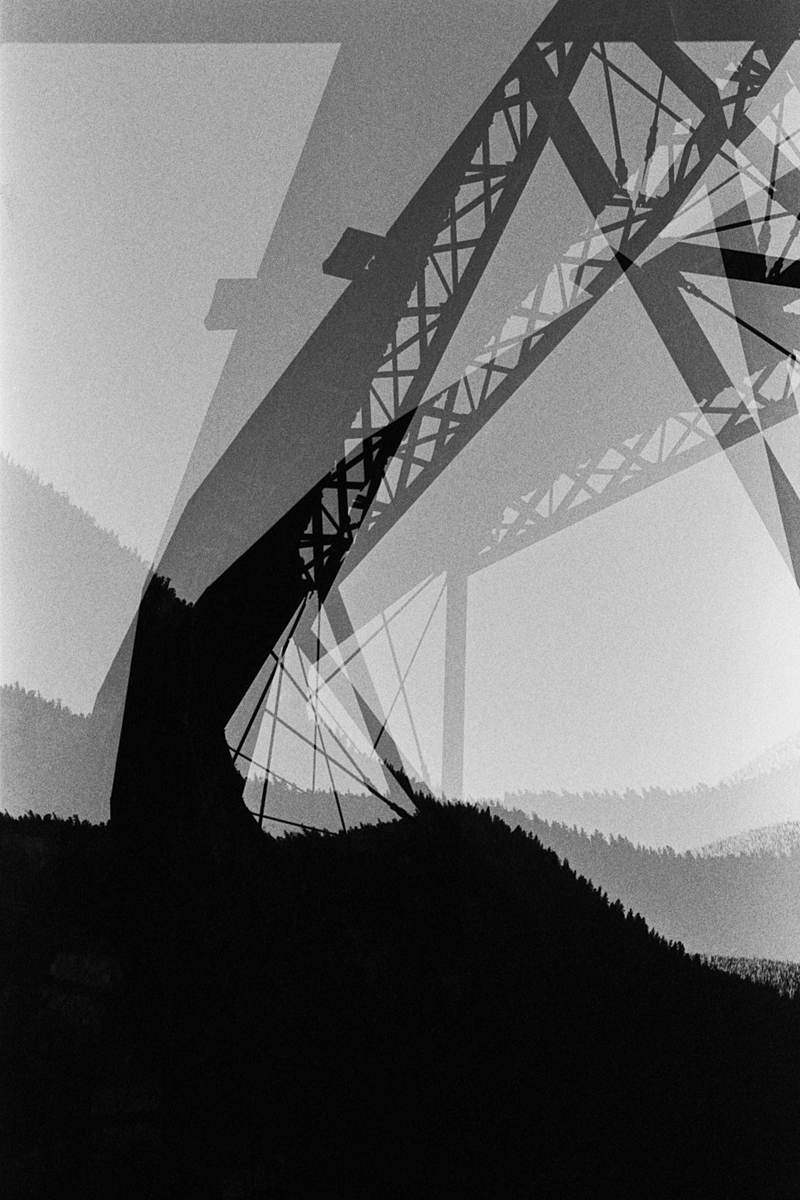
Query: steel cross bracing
x,y
613,242
384,338
562,288
483,177
629,220
615,472
340,503
642,204
608,473
764,398
308,682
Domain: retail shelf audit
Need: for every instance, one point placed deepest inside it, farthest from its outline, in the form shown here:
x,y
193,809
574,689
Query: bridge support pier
x,y
455,684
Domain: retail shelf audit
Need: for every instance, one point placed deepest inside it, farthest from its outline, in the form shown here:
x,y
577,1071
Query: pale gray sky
x,y
661,643
132,178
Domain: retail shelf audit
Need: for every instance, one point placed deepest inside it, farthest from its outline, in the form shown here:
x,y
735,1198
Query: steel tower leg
x,y
455,684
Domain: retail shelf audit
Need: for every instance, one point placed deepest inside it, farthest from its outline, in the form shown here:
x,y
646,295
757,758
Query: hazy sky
x,y
656,643
662,643
132,178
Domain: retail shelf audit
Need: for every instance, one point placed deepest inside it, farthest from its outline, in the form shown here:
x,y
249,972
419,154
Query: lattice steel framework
x,y
718,422
360,386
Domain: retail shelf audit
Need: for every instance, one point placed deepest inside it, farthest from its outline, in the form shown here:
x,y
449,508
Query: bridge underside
x,y
689,199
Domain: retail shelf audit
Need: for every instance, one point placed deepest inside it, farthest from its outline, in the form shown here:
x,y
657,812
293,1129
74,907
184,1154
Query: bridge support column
x,y
455,683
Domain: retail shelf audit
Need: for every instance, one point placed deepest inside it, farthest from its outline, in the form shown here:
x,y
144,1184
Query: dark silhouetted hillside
x,y
69,590
743,905
740,904
432,1007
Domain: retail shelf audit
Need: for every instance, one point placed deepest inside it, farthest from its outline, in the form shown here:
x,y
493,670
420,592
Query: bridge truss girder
x,y
361,382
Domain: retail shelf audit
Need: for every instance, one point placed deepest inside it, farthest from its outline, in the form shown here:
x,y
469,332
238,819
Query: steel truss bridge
x,y
690,201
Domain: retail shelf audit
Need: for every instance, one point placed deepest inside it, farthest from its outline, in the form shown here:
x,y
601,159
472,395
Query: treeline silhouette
x,y
42,743
685,819
736,905
52,759
14,475
740,905
783,838
785,976
69,590
430,1007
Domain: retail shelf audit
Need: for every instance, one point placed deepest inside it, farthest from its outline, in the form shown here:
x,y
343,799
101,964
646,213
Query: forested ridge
x,y
69,591
48,753
745,905
434,1006
742,905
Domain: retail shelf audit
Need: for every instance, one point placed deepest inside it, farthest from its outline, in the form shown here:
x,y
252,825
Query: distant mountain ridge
x,y
44,752
48,751
770,839
740,903
69,590
29,476
737,897
783,754
653,817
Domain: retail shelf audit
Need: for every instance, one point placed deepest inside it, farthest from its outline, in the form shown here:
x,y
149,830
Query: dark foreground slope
x,y
432,1007
743,905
